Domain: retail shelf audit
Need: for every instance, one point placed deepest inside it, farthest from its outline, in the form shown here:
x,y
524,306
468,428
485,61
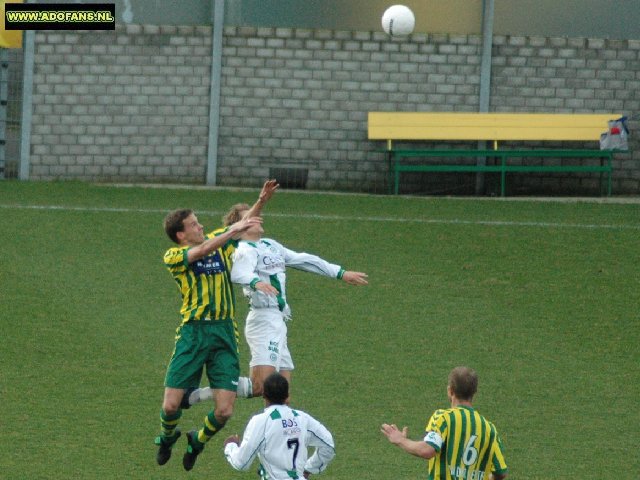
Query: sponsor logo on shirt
x,y
464,472
290,427
272,260
209,265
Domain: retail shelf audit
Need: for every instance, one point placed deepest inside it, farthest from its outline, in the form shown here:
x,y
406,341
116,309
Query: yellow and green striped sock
x,y
209,429
168,423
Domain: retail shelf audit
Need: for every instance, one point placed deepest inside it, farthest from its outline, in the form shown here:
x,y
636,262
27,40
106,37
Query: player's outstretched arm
x,y
355,278
308,262
210,244
268,189
399,437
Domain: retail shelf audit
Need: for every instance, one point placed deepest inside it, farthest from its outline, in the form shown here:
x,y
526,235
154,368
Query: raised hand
x,y
268,189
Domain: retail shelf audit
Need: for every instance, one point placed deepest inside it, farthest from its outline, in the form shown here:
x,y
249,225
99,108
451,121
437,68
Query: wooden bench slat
x,y
476,133
486,126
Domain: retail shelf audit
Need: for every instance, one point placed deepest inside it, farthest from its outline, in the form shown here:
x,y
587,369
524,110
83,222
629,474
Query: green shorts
x,y
205,343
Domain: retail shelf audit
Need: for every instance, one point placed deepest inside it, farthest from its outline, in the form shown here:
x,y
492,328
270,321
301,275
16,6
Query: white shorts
x,y
266,334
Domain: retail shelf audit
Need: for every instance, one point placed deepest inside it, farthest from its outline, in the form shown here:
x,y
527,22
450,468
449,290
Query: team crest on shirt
x,y
209,265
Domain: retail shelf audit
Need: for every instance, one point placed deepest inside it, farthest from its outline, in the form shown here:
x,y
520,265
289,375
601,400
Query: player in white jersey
x,y
259,265
280,437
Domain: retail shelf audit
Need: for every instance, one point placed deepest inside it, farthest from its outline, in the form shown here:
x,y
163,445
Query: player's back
x,y
467,443
280,436
283,452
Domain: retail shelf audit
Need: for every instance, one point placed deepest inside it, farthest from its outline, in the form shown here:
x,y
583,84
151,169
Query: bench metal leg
x,y
503,177
602,160
391,170
600,190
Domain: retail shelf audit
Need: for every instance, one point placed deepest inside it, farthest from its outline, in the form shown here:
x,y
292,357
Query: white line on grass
x,y
452,221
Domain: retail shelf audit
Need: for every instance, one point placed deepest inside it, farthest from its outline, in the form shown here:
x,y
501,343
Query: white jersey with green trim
x,y
280,437
265,260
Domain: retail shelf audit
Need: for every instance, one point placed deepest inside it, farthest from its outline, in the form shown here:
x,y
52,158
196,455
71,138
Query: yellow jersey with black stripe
x,y
468,445
205,285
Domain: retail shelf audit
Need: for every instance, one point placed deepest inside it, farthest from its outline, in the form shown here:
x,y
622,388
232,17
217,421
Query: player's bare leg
x,y
213,423
259,373
245,390
248,387
169,417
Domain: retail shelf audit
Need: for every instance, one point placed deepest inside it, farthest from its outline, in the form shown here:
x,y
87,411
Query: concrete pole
x,y
4,102
28,43
216,78
485,79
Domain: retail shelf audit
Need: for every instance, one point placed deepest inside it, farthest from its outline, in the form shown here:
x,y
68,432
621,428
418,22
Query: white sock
x,y
200,395
245,387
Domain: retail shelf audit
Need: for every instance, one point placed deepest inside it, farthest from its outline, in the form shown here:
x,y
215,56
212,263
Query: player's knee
x,y
170,406
223,413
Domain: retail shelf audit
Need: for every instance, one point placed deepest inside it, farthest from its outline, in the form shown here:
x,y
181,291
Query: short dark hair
x,y
463,382
276,389
174,222
235,214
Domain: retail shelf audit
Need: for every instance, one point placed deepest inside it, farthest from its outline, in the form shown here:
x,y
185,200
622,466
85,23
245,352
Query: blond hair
x,y
235,214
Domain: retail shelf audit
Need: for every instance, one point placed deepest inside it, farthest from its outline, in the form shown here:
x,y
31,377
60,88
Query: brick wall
x,y
132,105
582,75
129,105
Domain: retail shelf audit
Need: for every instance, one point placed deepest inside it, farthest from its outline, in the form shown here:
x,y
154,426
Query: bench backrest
x,y
487,126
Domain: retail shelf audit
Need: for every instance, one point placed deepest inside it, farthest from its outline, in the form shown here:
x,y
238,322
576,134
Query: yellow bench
x,y
494,127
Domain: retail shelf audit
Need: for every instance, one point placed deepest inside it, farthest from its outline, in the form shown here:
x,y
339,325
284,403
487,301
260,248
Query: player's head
x,y
275,389
463,383
235,214
174,222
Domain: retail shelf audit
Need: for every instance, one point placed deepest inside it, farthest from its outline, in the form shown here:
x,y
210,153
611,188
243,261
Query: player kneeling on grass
x,y
457,429
279,437
260,267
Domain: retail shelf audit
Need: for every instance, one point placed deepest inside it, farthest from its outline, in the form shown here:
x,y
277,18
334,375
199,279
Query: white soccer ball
x,y
398,21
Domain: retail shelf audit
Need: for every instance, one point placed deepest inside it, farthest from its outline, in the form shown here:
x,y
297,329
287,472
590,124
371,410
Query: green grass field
x,y
540,297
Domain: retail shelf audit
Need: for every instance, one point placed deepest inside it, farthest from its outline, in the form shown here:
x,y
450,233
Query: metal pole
x,y
216,78
27,104
485,79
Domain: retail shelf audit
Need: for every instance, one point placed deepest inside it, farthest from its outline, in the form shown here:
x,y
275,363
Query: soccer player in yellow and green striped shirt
x,y
459,442
204,284
207,336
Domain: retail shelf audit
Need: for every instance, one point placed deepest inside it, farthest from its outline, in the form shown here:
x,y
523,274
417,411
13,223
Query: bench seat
x,y
495,127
